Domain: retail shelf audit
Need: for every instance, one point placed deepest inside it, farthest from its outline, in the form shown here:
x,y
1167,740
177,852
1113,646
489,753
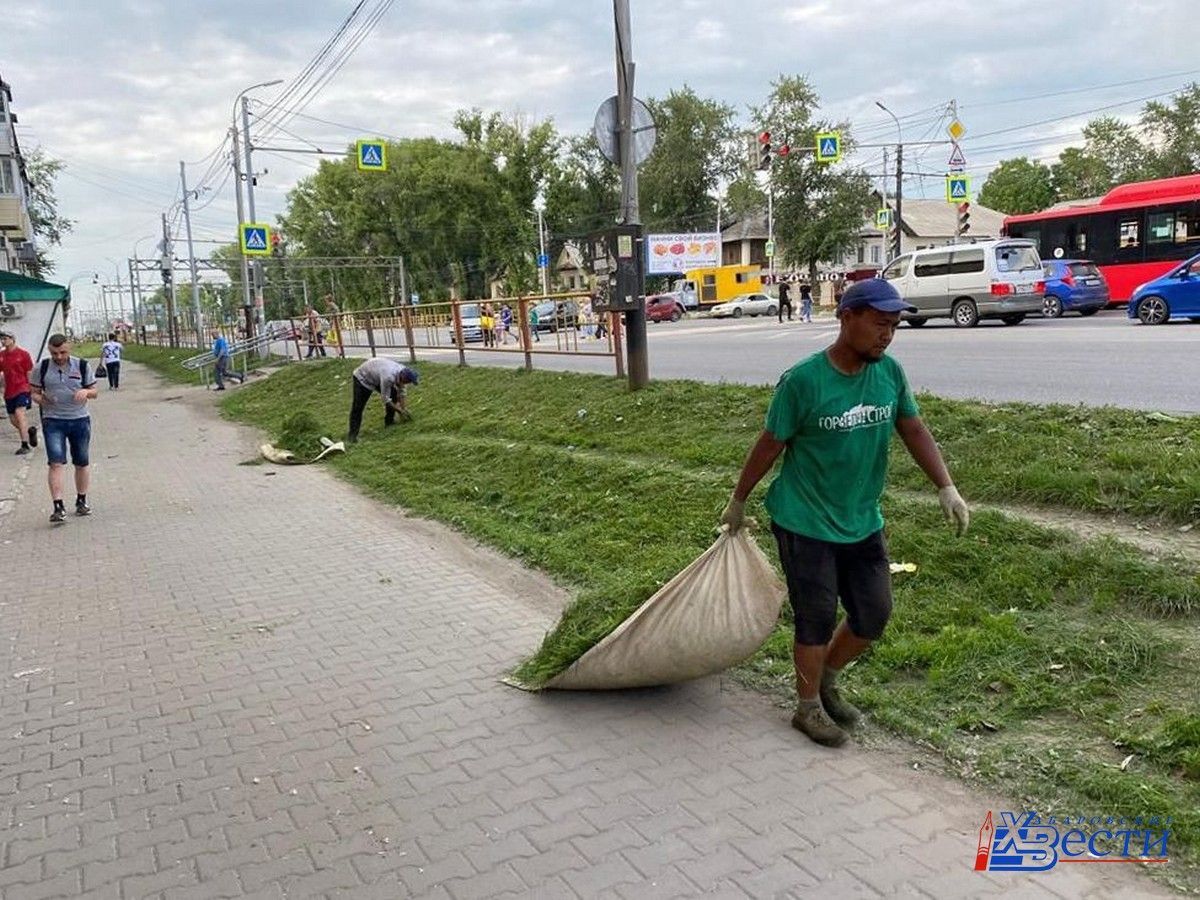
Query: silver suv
x,y
967,282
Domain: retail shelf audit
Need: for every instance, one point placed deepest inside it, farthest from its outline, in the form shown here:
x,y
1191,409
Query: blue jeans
x,y
62,433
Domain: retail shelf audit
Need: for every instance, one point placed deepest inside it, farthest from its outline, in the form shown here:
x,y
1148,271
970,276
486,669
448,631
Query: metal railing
x,y
240,349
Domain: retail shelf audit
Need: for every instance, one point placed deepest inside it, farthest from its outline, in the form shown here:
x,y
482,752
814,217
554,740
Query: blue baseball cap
x,y
413,377
877,294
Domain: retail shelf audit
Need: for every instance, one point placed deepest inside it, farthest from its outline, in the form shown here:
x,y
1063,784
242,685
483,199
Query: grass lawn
x,y
1030,659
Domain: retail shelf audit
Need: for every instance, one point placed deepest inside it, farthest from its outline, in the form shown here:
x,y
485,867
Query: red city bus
x,y
1134,233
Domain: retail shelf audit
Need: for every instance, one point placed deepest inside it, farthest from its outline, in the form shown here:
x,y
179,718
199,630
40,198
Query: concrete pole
x,y
259,318
635,319
168,262
542,253
247,297
187,220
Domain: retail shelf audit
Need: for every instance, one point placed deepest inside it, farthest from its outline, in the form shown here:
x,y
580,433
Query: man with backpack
x,y
62,386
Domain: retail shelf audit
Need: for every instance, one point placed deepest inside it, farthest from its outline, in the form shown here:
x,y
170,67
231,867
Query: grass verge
x,y
164,361
1030,659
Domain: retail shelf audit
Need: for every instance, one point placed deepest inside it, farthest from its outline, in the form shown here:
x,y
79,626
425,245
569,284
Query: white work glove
x,y
954,508
734,515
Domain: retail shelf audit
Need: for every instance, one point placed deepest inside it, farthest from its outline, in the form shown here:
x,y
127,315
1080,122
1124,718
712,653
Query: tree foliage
x,y
49,225
1018,186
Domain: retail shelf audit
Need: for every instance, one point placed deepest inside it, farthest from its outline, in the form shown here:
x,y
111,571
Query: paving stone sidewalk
x,y
254,681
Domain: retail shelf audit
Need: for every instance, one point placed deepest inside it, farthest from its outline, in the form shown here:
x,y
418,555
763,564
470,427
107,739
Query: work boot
x,y
840,710
812,719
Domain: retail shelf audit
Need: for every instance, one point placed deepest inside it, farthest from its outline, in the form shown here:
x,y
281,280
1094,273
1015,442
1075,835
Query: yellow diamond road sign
x,y
956,130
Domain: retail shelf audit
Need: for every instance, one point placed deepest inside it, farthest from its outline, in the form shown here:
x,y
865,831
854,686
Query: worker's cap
x,y
877,294
413,377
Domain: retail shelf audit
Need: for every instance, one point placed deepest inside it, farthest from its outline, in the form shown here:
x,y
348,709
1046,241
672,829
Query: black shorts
x,y
819,572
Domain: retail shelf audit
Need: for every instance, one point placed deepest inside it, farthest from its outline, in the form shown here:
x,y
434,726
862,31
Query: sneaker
x,y
812,719
32,435
219,389
58,516
82,509
22,450
840,710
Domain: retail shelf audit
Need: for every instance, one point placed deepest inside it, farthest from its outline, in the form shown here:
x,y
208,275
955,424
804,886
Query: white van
x,y
967,282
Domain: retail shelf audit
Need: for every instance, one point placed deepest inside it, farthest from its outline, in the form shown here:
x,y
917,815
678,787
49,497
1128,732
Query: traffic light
x,y
764,150
277,248
783,150
964,218
167,274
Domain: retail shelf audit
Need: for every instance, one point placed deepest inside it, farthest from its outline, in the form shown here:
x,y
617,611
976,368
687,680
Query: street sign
x,y
957,160
829,146
543,260
415,298
770,249
607,132
256,239
372,155
958,188
883,219
956,130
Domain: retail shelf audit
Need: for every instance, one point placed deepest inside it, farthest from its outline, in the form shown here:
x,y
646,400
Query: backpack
x,y
46,368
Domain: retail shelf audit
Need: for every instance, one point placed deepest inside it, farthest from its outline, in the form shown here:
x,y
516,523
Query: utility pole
x,y
635,319
247,301
168,270
187,220
899,195
258,274
135,297
542,250
771,223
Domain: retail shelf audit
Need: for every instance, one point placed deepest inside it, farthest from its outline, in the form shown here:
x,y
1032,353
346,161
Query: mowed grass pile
x,y
1029,658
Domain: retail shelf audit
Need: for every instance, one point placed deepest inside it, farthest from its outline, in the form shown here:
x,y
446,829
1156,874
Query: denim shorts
x,y
20,401
62,433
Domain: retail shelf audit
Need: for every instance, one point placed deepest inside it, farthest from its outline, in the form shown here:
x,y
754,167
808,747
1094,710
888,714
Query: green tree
x,y
583,195
444,206
1174,130
694,153
49,225
1078,174
820,208
1018,186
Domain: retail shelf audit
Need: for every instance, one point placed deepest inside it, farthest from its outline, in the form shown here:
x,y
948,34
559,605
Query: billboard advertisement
x,y
667,254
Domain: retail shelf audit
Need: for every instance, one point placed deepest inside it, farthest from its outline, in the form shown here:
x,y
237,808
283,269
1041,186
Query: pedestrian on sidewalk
x,y
533,324
15,366
805,304
390,379
222,368
110,356
335,323
313,328
506,319
831,417
62,387
785,299
487,324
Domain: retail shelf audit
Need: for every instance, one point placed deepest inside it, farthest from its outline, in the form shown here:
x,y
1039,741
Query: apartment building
x,y
16,228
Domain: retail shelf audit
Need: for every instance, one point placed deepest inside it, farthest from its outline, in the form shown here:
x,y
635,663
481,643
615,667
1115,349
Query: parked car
x,y
746,305
557,316
472,324
968,282
285,330
664,308
1073,285
1175,295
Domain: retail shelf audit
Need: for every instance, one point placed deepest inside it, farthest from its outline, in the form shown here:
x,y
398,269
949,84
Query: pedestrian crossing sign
x,y
958,188
883,218
829,146
372,155
256,239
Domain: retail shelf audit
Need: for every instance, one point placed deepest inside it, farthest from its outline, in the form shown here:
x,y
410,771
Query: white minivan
x,y
967,282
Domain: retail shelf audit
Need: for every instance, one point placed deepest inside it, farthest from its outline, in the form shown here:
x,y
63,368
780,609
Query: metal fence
x,y
565,326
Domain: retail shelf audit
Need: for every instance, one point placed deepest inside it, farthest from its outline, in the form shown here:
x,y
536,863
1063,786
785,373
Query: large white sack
x,y
714,614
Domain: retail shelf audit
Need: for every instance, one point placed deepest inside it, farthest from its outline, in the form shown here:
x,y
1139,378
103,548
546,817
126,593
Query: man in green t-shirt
x,y
832,417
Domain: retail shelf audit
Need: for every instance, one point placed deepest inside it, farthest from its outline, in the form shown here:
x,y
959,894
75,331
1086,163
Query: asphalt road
x,y
1103,360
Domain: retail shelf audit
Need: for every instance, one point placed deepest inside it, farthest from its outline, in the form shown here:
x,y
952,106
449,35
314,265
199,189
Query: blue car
x,y
1073,285
1175,295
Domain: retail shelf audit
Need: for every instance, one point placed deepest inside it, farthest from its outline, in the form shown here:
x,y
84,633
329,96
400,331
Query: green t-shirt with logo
x,y
838,429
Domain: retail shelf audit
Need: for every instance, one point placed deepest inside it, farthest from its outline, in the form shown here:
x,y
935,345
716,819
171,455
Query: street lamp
x,y
67,306
539,204
899,173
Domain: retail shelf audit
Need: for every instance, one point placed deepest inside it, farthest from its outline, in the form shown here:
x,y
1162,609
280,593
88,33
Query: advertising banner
x,y
667,254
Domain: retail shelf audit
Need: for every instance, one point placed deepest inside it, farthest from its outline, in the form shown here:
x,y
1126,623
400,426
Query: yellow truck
x,y
708,287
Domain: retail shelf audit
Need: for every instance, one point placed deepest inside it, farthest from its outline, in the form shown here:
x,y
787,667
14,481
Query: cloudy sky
x,y
122,90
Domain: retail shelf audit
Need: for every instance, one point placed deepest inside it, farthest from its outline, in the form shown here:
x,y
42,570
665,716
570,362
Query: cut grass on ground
x,y
1030,659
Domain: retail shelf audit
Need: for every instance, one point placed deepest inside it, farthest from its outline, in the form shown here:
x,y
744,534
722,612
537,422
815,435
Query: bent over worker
x,y
390,379
832,417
